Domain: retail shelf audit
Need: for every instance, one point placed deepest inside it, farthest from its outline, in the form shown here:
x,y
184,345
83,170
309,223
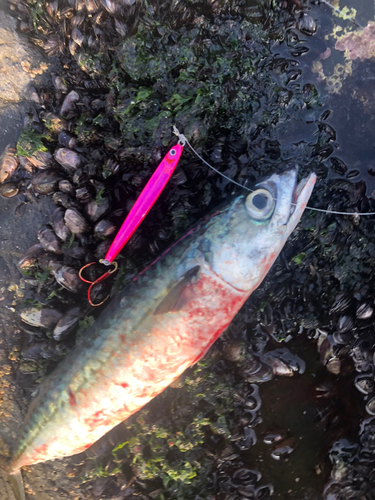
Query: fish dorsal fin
x,y
174,300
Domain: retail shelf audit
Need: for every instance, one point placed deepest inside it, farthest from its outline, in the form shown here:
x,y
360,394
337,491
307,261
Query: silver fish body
x,y
163,322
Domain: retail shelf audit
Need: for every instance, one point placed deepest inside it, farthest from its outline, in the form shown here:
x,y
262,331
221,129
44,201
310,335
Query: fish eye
x,y
172,152
260,204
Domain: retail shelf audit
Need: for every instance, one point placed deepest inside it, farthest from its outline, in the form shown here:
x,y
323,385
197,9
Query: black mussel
x,y
83,195
283,362
79,17
40,159
59,83
8,163
324,390
364,311
342,337
77,36
306,24
68,106
80,177
364,383
66,187
345,323
342,302
249,439
45,182
283,448
33,95
179,178
233,351
73,47
9,189
370,406
97,104
273,438
54,45
112,143
95,209
45,317
257,372
52,7
67,323
99,292
246,475
55,123
102,249
67,277
112,6
68,159
338,165
247,492
333,365
26,164
37,350
362,357
92,5
75,222
59,226
49,240
67,141
264,492
324,151
30,257
75,252
104,228
64,200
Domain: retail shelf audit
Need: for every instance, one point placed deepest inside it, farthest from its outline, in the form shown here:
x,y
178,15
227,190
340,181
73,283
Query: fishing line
x,y
341,13
183,140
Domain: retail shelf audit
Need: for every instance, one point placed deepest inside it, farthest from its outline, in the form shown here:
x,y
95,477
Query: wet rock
x,y
19,61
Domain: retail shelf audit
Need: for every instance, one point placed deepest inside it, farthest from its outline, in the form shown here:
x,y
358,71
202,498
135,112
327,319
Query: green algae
x,y
30,143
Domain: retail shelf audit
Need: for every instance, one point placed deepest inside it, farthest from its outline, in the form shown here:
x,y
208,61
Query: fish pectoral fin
x,y
177,297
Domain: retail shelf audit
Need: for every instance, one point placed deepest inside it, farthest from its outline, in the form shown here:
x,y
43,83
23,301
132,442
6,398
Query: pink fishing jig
x,y
140,209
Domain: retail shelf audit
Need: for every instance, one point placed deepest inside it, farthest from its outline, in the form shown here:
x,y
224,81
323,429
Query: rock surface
x,y
19,61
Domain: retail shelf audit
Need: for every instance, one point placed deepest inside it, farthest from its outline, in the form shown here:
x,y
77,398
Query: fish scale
x,y
162,323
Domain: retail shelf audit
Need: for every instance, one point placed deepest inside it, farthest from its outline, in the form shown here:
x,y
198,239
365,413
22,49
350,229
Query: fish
x,y
161,323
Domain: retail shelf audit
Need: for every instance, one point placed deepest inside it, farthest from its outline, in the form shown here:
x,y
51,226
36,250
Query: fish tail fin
x,y
16,482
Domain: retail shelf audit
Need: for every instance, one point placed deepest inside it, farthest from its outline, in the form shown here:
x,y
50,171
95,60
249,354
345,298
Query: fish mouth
x,y
301,194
